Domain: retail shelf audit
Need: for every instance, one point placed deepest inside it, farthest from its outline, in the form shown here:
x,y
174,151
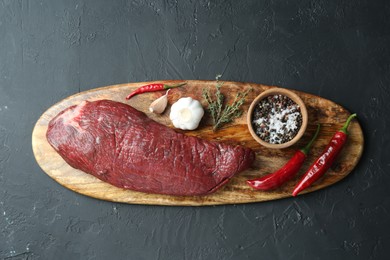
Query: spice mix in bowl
x,y
277,118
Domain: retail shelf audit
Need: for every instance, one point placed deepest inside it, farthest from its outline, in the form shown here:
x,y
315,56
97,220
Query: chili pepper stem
x,y
174,86
306,149
344,129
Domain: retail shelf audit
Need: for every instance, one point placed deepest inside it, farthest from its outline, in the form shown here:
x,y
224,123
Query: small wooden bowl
x,y
294,97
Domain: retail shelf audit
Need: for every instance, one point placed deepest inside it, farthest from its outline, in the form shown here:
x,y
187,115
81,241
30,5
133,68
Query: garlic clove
x,y
158,106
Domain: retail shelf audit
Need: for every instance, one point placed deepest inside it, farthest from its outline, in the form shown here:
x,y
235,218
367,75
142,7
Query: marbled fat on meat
x,y
122,146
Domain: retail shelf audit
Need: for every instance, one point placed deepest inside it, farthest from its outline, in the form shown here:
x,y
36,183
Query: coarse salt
x,y
278,119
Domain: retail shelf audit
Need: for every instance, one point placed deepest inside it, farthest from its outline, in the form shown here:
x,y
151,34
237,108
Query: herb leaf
x,y
223,114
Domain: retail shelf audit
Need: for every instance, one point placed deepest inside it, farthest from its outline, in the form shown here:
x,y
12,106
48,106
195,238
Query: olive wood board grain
x,y
330,115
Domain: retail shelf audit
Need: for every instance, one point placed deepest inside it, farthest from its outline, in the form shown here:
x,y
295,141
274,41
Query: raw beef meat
x,y
122,146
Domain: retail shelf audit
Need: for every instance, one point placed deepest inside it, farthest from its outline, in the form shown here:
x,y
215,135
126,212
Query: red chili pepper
x,y
152,88
323,163
276,179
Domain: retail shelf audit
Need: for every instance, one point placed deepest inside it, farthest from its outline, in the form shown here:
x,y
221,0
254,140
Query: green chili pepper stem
x,y
174,86
306,149
346,125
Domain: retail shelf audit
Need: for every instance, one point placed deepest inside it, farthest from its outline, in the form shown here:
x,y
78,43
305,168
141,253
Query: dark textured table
x,y
49,50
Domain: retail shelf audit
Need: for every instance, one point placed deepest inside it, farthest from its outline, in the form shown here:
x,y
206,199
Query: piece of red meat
x,y
122,146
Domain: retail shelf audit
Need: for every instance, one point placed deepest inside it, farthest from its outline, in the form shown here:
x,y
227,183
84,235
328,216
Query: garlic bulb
x,y
158,106
186,113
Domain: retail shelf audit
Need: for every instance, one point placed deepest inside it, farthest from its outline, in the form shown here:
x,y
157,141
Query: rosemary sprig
x,y
223,114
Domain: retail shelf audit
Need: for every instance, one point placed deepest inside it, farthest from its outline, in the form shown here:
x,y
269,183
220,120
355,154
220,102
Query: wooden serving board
x,y
330,115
